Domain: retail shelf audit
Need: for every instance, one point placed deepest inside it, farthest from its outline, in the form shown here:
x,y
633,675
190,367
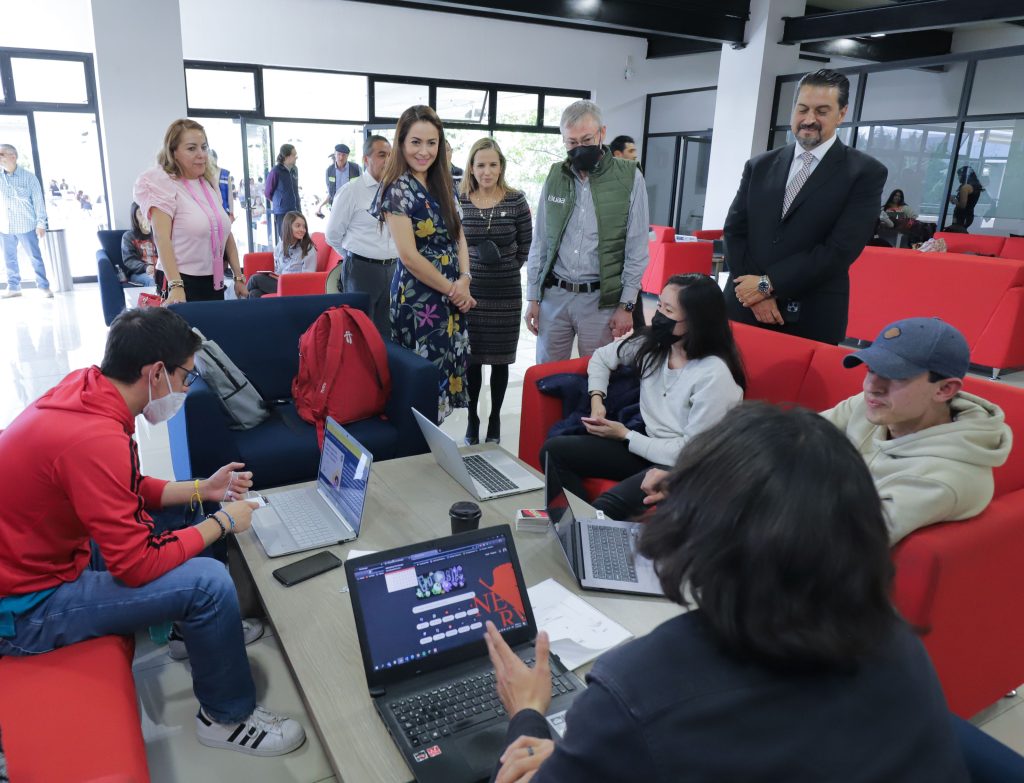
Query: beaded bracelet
x,y
231,519
223,530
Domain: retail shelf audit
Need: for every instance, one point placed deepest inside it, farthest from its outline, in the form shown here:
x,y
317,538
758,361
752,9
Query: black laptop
x,y
420,612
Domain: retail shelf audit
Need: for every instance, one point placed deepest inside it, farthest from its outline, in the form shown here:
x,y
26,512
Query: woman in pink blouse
x,y
181,198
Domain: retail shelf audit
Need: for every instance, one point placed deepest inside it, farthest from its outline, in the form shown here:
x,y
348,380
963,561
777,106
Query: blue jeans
x,y
30,242
199,595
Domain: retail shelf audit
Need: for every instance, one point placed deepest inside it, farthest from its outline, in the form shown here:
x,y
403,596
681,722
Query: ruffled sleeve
x,y
154,188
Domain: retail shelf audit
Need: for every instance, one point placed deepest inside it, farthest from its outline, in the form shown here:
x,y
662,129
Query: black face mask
x,y
661,327
585,158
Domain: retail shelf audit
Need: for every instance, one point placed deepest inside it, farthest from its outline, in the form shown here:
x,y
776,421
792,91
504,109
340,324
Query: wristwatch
x,y
627,306
764,286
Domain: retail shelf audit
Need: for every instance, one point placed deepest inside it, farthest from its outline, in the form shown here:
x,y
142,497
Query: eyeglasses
x,y
587,141
191,376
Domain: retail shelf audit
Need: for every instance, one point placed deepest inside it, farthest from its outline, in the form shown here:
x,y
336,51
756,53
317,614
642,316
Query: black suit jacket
x,y
806,255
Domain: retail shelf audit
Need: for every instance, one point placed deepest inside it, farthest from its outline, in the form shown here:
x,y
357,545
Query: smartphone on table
x,y
307,568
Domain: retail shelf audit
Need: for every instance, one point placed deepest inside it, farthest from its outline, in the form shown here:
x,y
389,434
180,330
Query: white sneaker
x,y
252,629
261,734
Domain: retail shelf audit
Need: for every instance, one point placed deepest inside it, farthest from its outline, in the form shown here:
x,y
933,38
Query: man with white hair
x,y
589,247
22,221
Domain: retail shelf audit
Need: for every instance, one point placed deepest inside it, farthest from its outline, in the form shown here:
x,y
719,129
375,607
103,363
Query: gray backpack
x,y
242,402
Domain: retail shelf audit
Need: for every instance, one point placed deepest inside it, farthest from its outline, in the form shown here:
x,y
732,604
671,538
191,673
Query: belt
x,y
381,261
574,288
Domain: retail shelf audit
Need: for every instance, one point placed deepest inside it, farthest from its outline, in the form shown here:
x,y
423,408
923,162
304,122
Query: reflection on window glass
x,y
918,161
908,94
390,99
49,81
314,95
517,108
554,105
529,157
462,105
209,88
994,149
998,88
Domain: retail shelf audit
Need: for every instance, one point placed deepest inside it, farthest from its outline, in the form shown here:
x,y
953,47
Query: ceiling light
x,y
877,35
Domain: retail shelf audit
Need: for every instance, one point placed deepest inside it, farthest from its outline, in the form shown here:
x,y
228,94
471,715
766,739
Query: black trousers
x,y
198,288
587,456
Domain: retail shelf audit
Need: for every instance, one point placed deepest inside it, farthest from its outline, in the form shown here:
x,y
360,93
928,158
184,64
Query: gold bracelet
x,y
175,284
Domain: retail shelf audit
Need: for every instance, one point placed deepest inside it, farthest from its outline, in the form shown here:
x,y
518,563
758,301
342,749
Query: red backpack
x,y
343,370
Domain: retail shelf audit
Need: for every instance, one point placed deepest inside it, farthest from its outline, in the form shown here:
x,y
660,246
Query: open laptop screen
x,y
416,607
559,512
344,473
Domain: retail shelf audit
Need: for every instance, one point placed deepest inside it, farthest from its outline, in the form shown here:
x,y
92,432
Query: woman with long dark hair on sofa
x,y
690,376
793,666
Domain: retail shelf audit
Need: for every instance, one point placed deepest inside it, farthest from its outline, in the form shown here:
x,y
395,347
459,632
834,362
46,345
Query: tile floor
x,y
48,338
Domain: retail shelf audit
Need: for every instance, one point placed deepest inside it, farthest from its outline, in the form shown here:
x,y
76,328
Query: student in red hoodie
x,y
71,475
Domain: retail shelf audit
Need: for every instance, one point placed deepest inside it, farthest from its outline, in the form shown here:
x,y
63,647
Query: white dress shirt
x,y
818,153
350,225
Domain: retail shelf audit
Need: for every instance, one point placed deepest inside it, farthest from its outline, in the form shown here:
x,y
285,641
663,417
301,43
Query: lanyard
x,y
216,231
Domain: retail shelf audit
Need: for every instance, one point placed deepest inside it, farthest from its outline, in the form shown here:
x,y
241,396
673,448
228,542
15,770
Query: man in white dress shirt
x,y
367,247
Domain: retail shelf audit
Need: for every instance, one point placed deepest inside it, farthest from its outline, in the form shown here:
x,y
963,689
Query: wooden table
x,y
408,501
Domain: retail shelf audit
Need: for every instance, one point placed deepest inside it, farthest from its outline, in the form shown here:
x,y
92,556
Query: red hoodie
x,y
69,471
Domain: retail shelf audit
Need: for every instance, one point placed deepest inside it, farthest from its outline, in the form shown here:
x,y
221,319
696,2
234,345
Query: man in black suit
x,y
801,217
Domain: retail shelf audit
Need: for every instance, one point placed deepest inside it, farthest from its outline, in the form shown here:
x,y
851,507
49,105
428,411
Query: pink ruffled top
x,y
200,228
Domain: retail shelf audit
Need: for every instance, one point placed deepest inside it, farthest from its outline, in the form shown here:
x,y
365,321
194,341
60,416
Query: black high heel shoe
x,y
472,433
493,431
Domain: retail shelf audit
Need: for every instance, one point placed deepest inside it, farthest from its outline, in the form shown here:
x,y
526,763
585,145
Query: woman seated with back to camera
x,y
690,376
794,665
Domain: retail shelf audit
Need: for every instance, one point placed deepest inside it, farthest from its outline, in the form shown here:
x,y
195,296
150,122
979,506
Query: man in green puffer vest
x,y
589,247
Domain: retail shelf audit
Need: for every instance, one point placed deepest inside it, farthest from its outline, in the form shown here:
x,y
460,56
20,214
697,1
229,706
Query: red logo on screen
x,y
502,597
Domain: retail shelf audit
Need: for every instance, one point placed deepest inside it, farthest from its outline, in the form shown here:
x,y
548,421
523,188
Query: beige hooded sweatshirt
x,y
939,474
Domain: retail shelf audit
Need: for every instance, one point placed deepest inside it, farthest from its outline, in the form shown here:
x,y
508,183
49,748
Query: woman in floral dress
x,y
430,289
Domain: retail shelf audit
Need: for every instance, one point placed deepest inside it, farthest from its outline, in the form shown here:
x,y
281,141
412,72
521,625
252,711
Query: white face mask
x,y
163,408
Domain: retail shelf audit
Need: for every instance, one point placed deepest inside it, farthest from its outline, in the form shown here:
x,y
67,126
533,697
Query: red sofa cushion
x,y
663,234
986,244
709,233
677,258
827,382
1013,248
1010,476
83,695
775,364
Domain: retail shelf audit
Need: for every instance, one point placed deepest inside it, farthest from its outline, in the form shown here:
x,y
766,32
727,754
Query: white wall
x,y
428,44
68,25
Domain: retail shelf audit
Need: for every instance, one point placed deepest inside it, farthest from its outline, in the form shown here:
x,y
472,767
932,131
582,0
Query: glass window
x,y
390,99
995,151
998,88
660,165
517,108
687,111
787,96
49,81
314,95
909,94
554,105
917,157
529,157
462,105
210,88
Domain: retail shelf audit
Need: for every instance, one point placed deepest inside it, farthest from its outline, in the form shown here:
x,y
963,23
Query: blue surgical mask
x,y
163,408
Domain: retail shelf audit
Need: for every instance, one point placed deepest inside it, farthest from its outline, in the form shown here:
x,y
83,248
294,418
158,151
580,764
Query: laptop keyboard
x,y
485,473
611,556
428,716
303,516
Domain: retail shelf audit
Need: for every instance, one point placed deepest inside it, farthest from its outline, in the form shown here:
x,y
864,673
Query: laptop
x,y
419,612
295,520
493,474
601,552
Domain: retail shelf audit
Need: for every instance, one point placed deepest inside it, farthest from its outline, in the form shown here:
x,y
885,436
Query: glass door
x,y
259,159
692,184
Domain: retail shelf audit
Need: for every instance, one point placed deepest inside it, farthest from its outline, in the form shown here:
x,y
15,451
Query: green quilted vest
x,y
611,184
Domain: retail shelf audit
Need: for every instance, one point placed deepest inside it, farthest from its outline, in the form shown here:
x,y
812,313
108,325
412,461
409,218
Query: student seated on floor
x,y
690,376
71,475
794,666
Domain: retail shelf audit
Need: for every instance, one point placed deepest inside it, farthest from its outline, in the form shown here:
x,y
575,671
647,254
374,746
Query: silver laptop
x,y
601,552
295,520
493,474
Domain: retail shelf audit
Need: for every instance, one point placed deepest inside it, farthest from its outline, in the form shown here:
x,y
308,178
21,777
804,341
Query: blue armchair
x,y
262,336
108,257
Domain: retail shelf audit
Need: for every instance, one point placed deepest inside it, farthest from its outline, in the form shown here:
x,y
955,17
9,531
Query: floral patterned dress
x,y
422,319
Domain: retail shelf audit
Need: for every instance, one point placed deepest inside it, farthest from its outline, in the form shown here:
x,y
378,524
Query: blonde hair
x,y
172,138
469,183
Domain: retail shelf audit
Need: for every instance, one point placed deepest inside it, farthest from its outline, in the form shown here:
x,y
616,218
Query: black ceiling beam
x,y
897,46
900,18
696,19
664,46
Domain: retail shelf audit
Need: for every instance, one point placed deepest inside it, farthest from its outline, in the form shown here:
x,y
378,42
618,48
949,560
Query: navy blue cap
x,y
913,346
340,148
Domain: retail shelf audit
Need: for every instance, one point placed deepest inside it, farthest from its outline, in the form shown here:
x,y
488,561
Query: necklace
x,y
666,387
490,213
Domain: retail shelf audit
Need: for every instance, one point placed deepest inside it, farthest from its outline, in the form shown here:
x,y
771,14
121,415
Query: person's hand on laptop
x,y
520,687
652,486
228,483
522,759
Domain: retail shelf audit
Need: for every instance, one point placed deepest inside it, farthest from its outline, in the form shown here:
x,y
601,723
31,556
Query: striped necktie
x,y
797,182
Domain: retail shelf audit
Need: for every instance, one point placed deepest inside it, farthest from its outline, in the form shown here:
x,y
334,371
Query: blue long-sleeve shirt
x,y
22,206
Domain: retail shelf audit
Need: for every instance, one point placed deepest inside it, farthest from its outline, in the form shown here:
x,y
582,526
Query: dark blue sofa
x,y
262,337
107,259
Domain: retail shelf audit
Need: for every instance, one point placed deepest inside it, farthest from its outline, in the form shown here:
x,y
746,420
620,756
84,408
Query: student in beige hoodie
x,y
929,445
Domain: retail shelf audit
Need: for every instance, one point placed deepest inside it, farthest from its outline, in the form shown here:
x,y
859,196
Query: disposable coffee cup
x,y
465,516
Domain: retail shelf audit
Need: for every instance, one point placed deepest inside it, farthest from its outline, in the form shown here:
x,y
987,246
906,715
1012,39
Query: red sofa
x,y
71,715
983,244
675,258
956,581
982,297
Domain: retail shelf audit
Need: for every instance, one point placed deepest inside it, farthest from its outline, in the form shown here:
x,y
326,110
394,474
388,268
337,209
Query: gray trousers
x,y
373,279
565,316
